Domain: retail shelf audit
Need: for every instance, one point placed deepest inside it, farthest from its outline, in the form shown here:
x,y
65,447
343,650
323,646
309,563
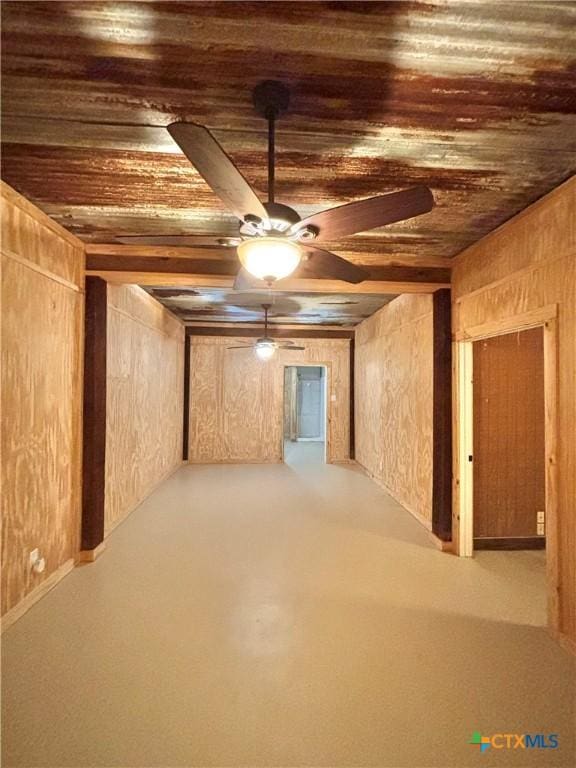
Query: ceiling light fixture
x,y
265,350
269,258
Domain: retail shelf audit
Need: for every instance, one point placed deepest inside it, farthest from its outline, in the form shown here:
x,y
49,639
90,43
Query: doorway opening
x,y
305,414
509,477
527,366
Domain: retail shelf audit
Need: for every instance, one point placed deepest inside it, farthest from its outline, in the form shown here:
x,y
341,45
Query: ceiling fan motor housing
x,y
282,220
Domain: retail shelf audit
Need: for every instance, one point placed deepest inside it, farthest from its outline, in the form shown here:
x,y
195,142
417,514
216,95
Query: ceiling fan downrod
x,y
271,98
271,150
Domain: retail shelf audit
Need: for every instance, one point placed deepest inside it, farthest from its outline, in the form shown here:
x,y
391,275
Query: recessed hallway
x,y
284,615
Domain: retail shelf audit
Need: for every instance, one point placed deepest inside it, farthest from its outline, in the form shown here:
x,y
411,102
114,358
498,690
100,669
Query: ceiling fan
x,y
265,347
273,241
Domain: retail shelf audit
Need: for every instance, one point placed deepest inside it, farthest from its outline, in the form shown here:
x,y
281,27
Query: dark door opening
x,y
509,447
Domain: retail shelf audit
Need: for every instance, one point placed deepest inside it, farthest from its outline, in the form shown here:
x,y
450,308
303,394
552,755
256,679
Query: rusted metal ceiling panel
x,y
475,99
193,305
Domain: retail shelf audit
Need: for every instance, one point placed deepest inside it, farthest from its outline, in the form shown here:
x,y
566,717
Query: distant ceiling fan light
x,y
265,350
269,258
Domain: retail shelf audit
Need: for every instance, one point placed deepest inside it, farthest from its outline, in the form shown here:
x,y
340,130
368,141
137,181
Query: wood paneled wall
x,y
42,336
236,400
145,388
526,265
393,400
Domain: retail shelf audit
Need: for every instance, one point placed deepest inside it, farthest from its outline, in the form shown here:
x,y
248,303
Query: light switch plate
x,y
540,529
540,516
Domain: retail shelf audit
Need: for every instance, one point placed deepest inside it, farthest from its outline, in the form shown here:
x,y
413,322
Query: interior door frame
x,y
463,379
327,372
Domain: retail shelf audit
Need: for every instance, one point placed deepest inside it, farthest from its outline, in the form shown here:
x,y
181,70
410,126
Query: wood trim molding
x,y
37,268
186,401
15,613
352,400
90,555
510,542
531,319
442,416
463,476
94,429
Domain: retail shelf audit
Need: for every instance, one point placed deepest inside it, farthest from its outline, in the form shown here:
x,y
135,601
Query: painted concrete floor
x,y
284,615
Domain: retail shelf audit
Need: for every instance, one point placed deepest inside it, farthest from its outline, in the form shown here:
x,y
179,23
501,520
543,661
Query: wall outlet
x,y
540,516
37,563
540,529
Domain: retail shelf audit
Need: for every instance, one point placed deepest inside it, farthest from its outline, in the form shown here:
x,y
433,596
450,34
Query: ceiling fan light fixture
x,y
269,258
265,350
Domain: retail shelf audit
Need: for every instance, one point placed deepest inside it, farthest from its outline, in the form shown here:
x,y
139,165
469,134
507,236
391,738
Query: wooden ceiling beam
x,y
316,332
226,253
216,273
302,286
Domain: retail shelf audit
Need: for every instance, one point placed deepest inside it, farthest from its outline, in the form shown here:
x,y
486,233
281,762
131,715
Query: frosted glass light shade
x,y
269,258
265,350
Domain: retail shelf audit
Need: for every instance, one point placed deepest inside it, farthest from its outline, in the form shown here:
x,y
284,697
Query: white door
x,y
310,408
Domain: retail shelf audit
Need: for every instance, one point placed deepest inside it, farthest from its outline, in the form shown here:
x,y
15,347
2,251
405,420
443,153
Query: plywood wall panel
x,y
236,400
492,283
145,355
41,355
29,234
539,235
393,398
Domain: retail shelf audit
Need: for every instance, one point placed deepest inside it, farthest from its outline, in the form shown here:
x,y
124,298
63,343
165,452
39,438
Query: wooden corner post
x,y
94,429
442,417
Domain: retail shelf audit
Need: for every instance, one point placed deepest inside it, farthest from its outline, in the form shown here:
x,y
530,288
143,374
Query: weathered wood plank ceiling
x,y
475,99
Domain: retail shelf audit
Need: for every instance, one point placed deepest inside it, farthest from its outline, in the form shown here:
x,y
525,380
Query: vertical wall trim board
x,y
442,417
186,398
352,419
94,425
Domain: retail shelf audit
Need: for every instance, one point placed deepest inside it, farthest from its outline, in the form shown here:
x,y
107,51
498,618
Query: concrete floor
x,y
305,452
284,615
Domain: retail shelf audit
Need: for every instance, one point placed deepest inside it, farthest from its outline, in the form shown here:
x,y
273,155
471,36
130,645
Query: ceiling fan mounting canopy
x,y
276,224
271,98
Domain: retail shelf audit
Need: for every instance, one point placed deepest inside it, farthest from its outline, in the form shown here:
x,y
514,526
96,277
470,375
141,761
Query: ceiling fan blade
x,y
287,346
242,346
217,169
325,264
370,213
246,282
191,240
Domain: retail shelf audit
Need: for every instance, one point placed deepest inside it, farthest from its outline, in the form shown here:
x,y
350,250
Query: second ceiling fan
x,y
273,241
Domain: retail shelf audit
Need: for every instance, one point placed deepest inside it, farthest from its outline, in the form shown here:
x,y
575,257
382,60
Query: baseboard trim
x,y
149,492
90,555
511,542
443,546
15,613
421,519
216,462
567,643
